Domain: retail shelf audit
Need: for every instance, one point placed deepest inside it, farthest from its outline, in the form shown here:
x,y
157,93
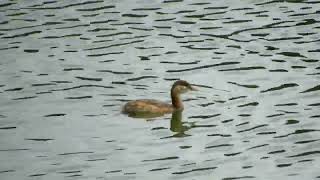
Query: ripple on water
x,y
68,67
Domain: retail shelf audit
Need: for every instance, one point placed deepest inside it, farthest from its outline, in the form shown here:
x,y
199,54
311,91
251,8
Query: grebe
x,y
154,108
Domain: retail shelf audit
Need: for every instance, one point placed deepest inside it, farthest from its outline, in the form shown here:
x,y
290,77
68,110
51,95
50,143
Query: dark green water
x,y
67,68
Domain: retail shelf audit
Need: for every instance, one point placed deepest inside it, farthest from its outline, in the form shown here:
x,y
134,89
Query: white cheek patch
x,y
185,89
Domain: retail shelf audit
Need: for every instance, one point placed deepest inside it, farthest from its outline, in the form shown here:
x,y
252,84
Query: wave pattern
x,y
67,67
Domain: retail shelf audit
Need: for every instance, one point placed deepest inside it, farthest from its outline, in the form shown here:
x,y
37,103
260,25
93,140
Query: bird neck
x,y
176,100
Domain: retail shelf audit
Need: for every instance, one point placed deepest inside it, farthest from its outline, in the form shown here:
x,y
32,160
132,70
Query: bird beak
x,y
192,88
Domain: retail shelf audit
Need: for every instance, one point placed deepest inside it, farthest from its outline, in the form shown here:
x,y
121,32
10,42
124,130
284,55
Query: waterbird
x,y
146,108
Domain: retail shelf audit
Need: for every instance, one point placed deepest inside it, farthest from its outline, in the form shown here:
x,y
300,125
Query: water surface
x,y
67,67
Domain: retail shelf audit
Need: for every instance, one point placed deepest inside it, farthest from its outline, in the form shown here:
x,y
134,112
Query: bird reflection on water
x,y
178,126
150,108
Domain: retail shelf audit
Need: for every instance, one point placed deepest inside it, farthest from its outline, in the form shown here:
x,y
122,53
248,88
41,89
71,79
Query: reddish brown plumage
x,y
146,107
